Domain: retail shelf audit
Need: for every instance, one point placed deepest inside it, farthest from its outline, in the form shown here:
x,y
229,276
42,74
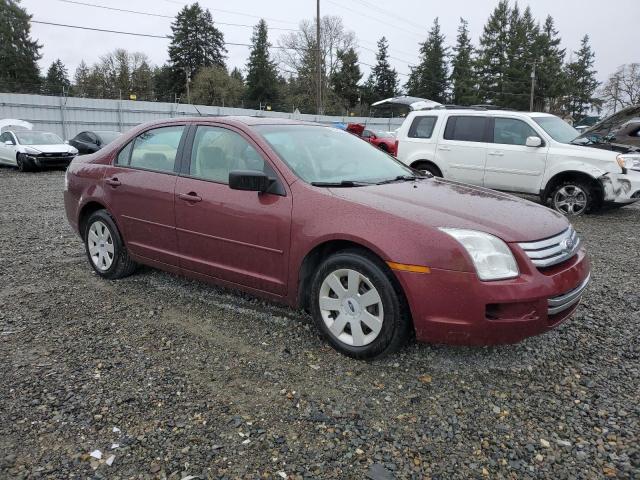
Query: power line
x,y
177,2
390,13
159,15
149,35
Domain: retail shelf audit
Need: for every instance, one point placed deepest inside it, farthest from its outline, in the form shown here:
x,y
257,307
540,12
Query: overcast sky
x,y
612,26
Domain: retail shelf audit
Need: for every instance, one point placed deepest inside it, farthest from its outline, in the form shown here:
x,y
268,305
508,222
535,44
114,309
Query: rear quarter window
x,y
422,127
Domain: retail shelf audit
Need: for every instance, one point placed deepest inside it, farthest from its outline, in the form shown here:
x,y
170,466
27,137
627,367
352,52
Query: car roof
x,y
245,120
479,111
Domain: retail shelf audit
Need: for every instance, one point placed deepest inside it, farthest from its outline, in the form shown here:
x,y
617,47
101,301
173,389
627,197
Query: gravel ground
x,y
179,379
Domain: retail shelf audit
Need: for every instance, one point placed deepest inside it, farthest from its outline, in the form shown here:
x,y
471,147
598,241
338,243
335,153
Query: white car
x,y
28,149
519,152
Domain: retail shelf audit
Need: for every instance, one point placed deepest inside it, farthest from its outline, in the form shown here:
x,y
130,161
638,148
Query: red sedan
x,y
315,218
383,140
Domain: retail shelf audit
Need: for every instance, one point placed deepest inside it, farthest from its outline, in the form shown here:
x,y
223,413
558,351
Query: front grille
x,y
554,250
563,302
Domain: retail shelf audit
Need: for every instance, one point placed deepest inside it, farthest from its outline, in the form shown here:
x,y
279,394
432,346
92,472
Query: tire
x,y
24,165
573,198
105,249
385,309
428,168
383,147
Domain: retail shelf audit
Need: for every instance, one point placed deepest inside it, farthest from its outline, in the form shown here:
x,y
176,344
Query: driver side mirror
x,y
533,142
249,180
8,142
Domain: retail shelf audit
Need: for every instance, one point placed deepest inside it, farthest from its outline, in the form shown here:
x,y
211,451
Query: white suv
x,y
519,152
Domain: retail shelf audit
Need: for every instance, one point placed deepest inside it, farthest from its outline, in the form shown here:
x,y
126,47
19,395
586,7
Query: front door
x,y
511,165
462,149
237,236
139,189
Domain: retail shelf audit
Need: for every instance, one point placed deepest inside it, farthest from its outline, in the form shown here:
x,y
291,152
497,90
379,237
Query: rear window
x,y
466,128
422,127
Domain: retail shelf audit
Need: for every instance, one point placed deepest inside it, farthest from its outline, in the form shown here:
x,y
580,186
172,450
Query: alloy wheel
x,y
570,200
351,307
100,243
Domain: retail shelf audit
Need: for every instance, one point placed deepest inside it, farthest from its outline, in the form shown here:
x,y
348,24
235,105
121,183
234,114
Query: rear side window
x,y
422,127
157,149
511,131
465,128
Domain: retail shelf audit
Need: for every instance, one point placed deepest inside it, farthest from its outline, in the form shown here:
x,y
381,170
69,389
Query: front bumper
x,y
621,188
457,308
50,160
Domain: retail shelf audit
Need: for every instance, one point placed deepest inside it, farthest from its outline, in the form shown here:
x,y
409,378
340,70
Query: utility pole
x,y
318,63
188,74
533,81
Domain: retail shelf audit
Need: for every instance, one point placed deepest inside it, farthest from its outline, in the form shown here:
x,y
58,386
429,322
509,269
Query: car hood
x,y
442,203
58,148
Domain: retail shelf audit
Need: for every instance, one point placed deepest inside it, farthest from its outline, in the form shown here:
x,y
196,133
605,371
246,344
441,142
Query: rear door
x,y
139,188
462,149
511,165
236,236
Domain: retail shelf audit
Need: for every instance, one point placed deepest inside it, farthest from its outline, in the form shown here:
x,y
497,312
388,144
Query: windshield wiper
x,y
343,183
404,178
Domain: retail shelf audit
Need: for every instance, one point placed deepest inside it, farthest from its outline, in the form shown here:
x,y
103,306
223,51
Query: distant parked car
x,y
29,149
313,217
519,152
383,140
619,132
92,141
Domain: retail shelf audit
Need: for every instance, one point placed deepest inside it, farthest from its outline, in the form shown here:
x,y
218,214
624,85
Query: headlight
x,y
629,161
491,256
73,151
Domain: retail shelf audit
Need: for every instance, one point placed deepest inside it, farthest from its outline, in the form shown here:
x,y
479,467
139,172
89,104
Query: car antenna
x,y
194,106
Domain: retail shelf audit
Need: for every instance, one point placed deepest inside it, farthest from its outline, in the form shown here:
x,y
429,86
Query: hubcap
x,y
100,244
351,307
570,200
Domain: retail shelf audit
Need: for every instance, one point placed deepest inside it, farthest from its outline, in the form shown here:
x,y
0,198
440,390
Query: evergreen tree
x,y
522,55
550,75
195,43
429,79
142,81
262,75
19,54
492,61
166,84
81,80
383,79
214,86
463,75
57,80
237,74
581,81
344,82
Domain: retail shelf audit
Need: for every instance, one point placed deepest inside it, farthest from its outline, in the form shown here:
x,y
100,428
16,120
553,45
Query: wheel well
x,y
417,163
85,213
572,175
383,146
315,257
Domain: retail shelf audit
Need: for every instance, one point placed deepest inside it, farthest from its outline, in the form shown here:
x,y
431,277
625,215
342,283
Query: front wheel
x,y
428,168
105,249
573,198
23,163
356,306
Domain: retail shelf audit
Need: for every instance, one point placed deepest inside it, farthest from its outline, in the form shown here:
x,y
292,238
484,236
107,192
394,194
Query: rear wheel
x,y
357,308
573,198
105,249
427,167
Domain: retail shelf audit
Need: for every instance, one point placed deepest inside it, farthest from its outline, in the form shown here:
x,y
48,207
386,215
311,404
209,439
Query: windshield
x,y
38,138
319,154
108,137
557,129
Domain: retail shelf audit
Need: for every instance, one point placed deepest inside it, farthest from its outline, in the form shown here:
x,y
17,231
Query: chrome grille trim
x,y
551,251
567,300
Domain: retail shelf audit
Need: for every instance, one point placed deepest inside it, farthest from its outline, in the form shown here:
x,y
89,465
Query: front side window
x,y
157,149
465,128
422,127
217,151
319,154
511,131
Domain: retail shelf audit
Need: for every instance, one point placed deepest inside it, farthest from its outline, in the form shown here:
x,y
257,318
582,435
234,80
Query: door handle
x,y
190,197
497,154
446,149
114,182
